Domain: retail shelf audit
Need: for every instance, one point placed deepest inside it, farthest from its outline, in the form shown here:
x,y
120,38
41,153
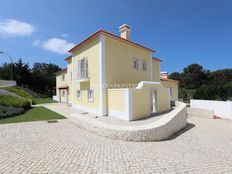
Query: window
x,y
63,93
136,63
90,95
78,94
171,91
83,68
63,77
144,65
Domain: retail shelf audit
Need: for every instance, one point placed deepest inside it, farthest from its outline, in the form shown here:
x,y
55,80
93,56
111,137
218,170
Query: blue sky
x,y
181,31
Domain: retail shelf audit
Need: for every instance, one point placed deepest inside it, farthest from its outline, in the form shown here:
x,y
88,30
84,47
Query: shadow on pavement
x,y
182,131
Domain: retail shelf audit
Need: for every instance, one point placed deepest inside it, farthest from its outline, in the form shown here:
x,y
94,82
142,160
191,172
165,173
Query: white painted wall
x,y
222,109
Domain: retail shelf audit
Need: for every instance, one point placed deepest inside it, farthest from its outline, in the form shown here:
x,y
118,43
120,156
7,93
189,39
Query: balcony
x,y
83,75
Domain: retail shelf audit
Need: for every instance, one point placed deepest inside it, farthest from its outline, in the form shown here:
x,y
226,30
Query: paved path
x,y
68,111
40,147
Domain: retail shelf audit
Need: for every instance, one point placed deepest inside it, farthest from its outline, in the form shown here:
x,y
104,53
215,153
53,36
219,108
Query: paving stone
x,y
39,147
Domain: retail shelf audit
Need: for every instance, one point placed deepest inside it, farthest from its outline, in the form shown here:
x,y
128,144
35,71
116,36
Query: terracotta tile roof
x,y
63,87
68,58
157,59
168,80
99,32
61,71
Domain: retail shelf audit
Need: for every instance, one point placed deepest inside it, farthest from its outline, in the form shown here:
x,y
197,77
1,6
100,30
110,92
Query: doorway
x,y
153,101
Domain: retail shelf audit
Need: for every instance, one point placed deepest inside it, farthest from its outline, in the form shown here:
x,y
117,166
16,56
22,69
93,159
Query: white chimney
x,y
164,75
125,31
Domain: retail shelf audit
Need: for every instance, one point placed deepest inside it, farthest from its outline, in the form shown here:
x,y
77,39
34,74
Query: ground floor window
x,y
78,94
90,95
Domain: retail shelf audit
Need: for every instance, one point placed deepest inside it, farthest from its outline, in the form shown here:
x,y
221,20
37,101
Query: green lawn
x,y
44,100
34,114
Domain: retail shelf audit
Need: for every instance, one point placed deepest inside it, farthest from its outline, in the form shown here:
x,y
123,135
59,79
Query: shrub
x,y
20,92
7,111
16,102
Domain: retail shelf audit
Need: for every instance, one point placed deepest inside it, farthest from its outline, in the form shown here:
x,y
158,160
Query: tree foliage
x,y
40,77
199,83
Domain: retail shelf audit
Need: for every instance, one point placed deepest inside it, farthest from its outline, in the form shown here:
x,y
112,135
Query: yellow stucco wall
x,y
119,63
60,82
174,86
141,106
116,99
163,102
141,101
155,70
90,51
69,80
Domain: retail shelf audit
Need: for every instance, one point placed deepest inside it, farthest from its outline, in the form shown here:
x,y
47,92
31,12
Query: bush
x,y
19,91
7,111
16,102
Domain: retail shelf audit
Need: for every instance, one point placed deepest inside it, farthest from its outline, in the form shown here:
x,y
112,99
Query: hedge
x,y
7,100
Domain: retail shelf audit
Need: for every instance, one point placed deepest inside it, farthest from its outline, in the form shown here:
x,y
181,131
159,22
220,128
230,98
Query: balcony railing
x,y
83,75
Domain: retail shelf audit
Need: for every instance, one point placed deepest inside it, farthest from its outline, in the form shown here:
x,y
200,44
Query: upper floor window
x,y
63,77
144,65
90,95
136,63
83,68
78,94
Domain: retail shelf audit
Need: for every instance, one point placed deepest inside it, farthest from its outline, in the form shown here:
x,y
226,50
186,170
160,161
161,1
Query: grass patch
x,y
44,100
34,114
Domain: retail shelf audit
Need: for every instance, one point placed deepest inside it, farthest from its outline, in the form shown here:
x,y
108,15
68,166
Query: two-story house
x,y
110,75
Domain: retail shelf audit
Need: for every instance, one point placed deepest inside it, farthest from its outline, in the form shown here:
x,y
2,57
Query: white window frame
x,y
90,97
79,96
135,63
144,65
83,68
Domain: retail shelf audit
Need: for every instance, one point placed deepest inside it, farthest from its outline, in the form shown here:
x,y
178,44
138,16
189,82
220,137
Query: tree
x,y
5,71
177,76
194,76
43,77
22,73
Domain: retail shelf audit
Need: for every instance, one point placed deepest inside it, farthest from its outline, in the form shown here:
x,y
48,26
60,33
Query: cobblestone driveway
x,y
39,147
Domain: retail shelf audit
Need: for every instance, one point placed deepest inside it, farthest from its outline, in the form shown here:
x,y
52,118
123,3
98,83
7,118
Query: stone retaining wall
x,y
161,129
197,112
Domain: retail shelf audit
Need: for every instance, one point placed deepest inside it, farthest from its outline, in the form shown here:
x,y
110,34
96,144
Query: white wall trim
x,y
142,83
87,109
151,70
102,90
128,103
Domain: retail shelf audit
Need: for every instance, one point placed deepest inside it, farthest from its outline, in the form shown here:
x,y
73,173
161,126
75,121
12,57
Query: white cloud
x,y
55,45
17,28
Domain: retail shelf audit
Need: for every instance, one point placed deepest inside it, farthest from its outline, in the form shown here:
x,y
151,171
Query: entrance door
x,y
153,101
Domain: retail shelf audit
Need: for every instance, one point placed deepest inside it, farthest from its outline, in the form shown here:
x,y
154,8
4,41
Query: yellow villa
x,y
110,75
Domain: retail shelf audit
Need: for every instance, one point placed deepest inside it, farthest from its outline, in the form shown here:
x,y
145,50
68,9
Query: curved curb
x,y
161,129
